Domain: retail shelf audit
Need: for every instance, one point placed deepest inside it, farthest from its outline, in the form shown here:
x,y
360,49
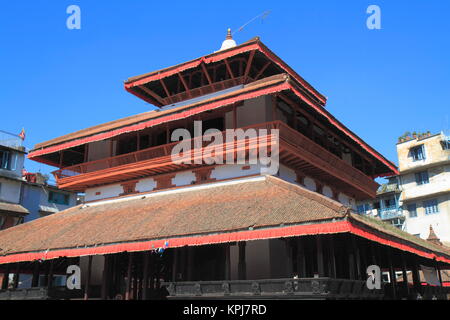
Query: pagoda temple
x,y
153,228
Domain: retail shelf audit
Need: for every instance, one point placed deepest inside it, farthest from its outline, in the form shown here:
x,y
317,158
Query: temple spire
x,y
229,42
432,237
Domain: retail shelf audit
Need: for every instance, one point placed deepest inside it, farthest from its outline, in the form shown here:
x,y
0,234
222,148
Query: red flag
x,y
22,134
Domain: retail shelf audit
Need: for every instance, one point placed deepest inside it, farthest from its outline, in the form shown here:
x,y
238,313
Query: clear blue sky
x,y
380,83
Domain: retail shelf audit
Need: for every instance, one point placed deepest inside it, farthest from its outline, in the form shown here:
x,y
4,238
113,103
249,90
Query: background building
x,y
12,155
419,197
424,166
25,196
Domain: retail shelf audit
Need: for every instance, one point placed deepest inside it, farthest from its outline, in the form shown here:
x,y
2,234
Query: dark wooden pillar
x,y
129,275
16,276
35,279
88,279
135,277
227,262
50,274
405,274
274,108
359,272
145,275
190,263
5,281
440,277
392,273
332,271
175,264
289,263
151,273
416,276
301,262
373,258
242,267
105,277
320,266
351,262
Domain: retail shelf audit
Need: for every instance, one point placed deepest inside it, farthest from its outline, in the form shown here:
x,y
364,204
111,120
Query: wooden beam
x,y
183,82
205,71
262,70
154,95
230,72
249,64
165,88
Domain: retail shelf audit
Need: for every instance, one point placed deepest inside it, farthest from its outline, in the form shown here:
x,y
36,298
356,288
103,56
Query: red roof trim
x,y
219,57
106,135
331,227
362,232
192,64
271,233
153,122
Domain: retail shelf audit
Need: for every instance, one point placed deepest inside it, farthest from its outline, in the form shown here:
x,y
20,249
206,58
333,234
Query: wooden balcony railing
x,y
158,158
303,288
207,89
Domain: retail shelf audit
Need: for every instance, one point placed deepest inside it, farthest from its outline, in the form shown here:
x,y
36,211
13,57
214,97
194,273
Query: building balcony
x,y
391,212
11,140
295,150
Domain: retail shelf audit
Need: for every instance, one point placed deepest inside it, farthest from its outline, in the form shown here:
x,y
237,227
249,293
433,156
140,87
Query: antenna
x,y
262,16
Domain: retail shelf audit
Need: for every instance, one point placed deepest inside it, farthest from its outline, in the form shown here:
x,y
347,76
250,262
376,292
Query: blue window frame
x,y
5,160
58,198
412,209
418,153
431,206
422,178
363,208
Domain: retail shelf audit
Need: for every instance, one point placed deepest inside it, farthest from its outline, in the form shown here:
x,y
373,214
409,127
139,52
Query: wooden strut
x,y
249,64
154,95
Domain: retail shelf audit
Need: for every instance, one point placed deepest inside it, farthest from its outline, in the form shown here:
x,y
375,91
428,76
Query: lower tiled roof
x,y
224,207
247,209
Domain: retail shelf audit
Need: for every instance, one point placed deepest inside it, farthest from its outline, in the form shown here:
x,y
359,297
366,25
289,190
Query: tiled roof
x,y
224,207
134,119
